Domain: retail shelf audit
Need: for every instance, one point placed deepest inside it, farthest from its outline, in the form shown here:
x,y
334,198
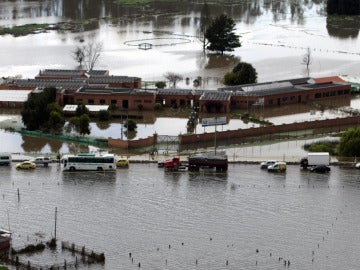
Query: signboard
x,y
214,121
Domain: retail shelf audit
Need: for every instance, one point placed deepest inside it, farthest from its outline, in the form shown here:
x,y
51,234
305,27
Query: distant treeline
x,y
343,7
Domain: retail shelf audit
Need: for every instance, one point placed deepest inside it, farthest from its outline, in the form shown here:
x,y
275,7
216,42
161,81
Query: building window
x,y
270,101
147,101
79,101
114,101
90,101
102,101
318,95
137,100
284,99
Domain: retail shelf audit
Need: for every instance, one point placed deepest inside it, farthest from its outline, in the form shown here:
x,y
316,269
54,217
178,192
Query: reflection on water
x,y
172,220
89,178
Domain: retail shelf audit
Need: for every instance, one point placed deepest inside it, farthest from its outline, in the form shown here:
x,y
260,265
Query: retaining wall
x,y
317,127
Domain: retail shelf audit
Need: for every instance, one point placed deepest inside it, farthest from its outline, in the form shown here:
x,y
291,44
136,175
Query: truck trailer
x,y
315,159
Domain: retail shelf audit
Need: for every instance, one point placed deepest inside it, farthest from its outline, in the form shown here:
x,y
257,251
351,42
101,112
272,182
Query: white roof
x,y
91,108
14,95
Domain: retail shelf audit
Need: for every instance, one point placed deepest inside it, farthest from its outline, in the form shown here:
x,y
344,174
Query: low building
x,y
13,98
120,98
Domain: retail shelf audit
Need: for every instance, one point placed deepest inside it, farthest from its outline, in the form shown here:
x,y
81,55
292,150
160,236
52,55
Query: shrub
x,y
160,84
157,106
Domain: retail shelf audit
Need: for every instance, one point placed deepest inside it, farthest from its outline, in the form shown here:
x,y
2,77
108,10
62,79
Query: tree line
x,y
343,7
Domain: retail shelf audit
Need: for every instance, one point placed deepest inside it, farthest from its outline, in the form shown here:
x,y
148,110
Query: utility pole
x,y
55,220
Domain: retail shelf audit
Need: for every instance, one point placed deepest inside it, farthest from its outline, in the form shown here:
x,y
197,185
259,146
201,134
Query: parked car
x,y
26,165
122,162
320,169
279,166
266,164
41,161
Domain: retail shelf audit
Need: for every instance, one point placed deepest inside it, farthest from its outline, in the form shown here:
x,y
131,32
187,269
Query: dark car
x,y
320,169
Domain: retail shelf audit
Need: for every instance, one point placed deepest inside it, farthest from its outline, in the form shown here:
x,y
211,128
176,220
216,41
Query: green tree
x,y
81,109
104,115
160,84
350,143
130,125
221,36
242,73
35,113
343,7
84,124
56,121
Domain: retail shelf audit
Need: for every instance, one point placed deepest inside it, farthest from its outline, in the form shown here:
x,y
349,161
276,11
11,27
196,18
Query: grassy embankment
x,y
26,29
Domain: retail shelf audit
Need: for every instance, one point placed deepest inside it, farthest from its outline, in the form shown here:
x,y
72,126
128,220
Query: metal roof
x,y
172,91
91,108
112,79
215,95
14,95
67,84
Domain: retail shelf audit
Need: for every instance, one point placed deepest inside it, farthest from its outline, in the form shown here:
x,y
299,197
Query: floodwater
x,y
274,37
168,221
172,220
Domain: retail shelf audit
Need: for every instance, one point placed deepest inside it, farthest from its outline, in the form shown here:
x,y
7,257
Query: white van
x,y
5,159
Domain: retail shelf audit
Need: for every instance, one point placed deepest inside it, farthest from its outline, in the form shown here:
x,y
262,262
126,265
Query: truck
x,y
314,159
174,164
219,162
195,162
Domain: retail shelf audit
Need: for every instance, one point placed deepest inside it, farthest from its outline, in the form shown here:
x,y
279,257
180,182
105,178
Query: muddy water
x,y
274,37
170,220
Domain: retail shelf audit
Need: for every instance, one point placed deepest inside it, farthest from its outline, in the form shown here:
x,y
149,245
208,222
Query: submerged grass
x,y
23,30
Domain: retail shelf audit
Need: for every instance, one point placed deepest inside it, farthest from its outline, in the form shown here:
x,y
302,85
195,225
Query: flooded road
x,y
170,220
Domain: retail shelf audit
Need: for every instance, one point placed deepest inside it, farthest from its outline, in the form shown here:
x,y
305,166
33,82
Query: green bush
x,y
157,106
103,115
160,84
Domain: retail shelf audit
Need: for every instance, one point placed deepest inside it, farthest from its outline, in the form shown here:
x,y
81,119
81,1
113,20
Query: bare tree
x,y
79,54
307,60
88,54
173,77
205,20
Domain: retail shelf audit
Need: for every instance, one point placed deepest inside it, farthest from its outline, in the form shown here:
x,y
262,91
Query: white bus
x,y
89,162
5,159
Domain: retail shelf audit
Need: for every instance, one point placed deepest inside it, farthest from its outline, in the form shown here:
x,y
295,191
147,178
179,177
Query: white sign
x,y
214,121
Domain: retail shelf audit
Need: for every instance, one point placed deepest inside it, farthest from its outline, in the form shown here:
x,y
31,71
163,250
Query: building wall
x,y
301,96
176,101
121,101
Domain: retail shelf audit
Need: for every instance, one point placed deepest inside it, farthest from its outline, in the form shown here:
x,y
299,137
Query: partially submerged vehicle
x,y
42,161
279,166
266,164
219,162
5,159
27,164
320,169
122,162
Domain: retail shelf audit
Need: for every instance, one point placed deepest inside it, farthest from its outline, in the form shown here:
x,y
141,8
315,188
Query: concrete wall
x,y
319,127
126,144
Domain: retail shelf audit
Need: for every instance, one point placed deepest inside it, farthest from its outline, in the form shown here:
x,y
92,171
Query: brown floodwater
x,y
274,37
